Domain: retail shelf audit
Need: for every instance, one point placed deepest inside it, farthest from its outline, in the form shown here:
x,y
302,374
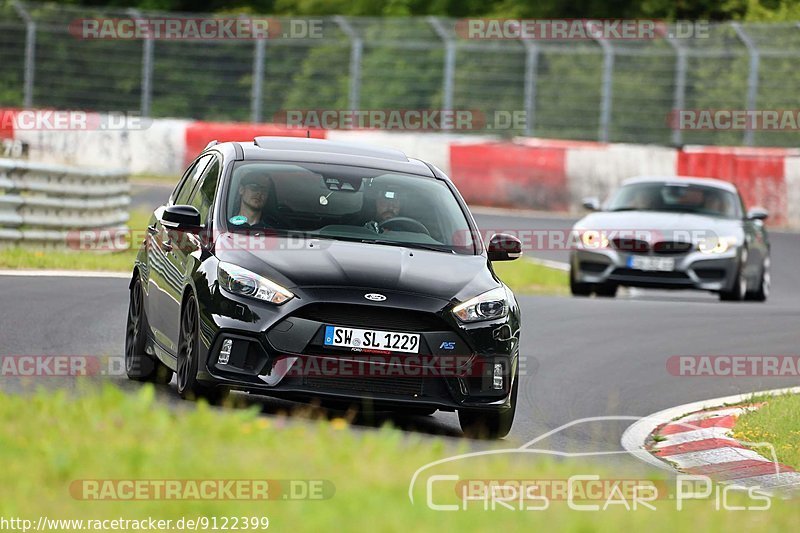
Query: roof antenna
x,y
308,134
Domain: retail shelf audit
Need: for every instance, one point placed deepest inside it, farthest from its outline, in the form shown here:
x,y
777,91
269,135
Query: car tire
x,y
739,290
139,365
188,354
577,288
765,283
607,290
489,424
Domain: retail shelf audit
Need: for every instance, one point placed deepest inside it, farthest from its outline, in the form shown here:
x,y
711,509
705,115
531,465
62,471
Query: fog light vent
x,y
225,352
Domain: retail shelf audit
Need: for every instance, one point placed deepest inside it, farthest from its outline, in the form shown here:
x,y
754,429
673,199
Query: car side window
x,y
205,192
181,196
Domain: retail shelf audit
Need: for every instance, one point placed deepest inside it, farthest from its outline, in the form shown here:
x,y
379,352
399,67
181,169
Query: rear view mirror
x,y
757,213
181,217
591,203
504,247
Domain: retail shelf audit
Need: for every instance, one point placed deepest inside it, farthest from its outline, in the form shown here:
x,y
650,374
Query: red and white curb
x,y
697,439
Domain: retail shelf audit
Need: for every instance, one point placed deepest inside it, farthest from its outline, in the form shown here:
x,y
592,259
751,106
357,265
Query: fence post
x,y
449,66
356,51
606,85
752,77
147,69
679,95
531,75
258,80
30,54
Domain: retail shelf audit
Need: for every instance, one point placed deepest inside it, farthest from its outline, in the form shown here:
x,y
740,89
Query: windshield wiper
x,y
409,245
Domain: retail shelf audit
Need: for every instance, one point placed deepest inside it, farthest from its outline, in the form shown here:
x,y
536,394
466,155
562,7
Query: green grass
x,y
51,440
527,277
778,423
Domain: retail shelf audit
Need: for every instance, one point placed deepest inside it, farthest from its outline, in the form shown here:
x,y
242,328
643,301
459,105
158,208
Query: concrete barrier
x,y
198,134
758,173
791,172
598,170
505,174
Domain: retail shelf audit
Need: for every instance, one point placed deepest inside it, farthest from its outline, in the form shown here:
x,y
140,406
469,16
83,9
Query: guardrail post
x,y
752,77
449,66
146,96
531,75
606,88
679,95
356,51
258,79
30,53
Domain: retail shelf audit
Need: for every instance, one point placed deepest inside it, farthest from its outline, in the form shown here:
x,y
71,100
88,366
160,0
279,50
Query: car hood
x,y
660,223
330,263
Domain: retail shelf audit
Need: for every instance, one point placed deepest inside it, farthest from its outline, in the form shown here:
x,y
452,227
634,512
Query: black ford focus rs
x,y
308,269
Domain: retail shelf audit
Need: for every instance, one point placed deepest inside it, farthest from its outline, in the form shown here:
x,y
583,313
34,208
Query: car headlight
x,y
716,245
238,280
594,239
490,305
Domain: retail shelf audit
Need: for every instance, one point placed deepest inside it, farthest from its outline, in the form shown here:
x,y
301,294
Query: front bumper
x,y
278,351
693,270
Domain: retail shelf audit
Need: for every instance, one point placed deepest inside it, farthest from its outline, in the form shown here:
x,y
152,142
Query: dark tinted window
x,y
683,198
203,196
181,195
347,203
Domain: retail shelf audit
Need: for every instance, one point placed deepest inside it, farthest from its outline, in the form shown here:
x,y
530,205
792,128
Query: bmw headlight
x,y
716,245
490,305
238,280
593,239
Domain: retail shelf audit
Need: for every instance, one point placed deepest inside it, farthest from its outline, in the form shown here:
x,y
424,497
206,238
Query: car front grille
x,y
638,246
672,247
631,245
371,316
644,274
411,386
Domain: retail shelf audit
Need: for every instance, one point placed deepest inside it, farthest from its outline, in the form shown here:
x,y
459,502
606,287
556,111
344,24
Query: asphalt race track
x,y
582,357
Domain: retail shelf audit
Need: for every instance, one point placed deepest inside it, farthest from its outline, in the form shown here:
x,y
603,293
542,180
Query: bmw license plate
x,y
659,264
339,337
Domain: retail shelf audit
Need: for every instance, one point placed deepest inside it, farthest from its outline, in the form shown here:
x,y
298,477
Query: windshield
x,y
676,197
347,203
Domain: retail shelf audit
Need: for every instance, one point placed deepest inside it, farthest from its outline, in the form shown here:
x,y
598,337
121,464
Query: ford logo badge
x,y
375,297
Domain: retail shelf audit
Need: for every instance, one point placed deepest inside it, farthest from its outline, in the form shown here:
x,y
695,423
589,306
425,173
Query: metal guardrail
x,y
42,203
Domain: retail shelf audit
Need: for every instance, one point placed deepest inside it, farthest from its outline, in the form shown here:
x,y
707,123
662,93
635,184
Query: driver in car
x,y
387,206
254,191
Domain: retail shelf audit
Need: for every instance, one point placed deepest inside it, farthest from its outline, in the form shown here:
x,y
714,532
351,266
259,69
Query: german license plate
x,y
340,337
659,264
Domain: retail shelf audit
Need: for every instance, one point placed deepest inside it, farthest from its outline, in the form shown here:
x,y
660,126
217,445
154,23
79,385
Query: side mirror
x,y
591,203
504,247
757,213
181,218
